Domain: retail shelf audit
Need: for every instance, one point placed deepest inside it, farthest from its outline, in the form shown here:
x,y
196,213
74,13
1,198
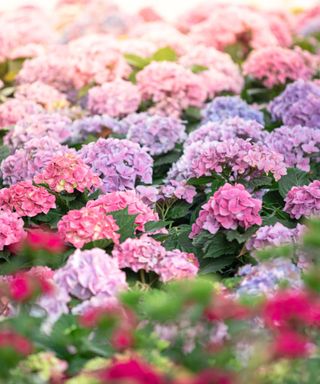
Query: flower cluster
x,y
229,207
26,199
116,201
119,163
67,173
225,107
116,99
304,200
297,144
86,225
171,88
158,134
298,104
11,228
276,66
14,110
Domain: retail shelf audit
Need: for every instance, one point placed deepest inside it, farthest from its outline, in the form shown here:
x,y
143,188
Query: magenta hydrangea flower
x,y
79,227
275,65
177,265
303,200
229,207
43,94
67,173
297,144
158,134
13,110
116,99
26,199
53,125
231,128
298,104
119,163
11,228
171,88
143,253
116,201
26,162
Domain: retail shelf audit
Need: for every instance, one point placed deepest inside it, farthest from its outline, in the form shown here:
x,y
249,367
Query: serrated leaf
x,y
164,54
240,237
126,223
169,158
192,113
198,68
203,180
294,177
263,181
136,61
102,243
179,209
214,246
217,265
4,152
153,226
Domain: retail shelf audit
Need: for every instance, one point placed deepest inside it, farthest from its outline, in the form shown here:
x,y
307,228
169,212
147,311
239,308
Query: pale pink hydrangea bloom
x,y
275,65
303,200
143,253
116,99
13,110
222,73
26,200
230,206
179,190
66,173
43,94
177,265
11,228
116,201
87,224
171,87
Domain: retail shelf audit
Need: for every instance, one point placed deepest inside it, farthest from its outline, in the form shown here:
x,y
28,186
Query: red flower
x,y
15,341
20,287
291,345
213,376
133,370
223,308
49,241
122,339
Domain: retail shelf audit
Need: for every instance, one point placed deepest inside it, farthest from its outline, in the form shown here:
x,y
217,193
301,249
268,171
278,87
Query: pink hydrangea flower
x,y
14,110
87,224
179,190
116,99
136,254
177,265
26,199
171,87
67,173
116,201
303,200
229,207
11,228
275,65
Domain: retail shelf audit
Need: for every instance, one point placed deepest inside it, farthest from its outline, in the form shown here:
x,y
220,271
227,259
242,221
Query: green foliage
x,y
294,177
126,223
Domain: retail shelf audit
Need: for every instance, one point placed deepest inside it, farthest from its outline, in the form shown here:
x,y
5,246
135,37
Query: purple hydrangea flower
x,y
299,104
119,163
158,134
234,127
297,144
224,107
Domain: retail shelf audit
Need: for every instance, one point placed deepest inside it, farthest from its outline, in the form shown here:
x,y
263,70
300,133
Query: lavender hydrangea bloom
x,y
228,129
266,277
26,162
224,107
119,163
81,128
158,134
299,104
53,125
297,144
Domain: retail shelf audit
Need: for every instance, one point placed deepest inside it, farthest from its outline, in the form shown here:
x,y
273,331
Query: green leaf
x,y
192,113
179,209
203,180
294,177
164,54
240,237
153,226
198,68
126,223
102,243
4,152
136,61
169,158
214,246
263,181
217,265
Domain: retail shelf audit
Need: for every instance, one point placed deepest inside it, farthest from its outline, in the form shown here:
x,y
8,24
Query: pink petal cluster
x,y
79,227
171,88
66,173
229,207
276,66
222,74
26,200
303,200
179,190
116,201
11,228
14,110
177,265
116,99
